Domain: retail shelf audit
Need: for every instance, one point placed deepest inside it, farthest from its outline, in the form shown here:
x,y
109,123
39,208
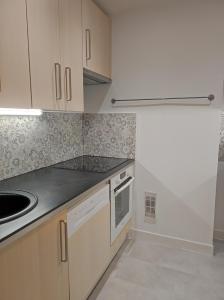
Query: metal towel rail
x,y
209,97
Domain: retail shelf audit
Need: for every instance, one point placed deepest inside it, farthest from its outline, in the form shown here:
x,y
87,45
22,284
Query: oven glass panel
x,y
122,205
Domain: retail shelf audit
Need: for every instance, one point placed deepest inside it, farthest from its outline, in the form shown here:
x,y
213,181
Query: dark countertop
x,y
54,187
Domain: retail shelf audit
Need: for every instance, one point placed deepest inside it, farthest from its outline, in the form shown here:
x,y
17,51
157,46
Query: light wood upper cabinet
x,y
71,45
14,61
41,54
44,49
55,43
31,267
96,39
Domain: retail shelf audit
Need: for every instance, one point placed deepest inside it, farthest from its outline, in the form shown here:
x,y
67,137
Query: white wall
x,y
219,215
219,210
162,51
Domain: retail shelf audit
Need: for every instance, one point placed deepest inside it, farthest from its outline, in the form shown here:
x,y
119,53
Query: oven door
x,y
121,206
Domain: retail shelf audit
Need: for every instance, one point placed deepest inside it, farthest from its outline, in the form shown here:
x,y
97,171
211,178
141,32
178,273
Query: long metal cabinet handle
x,y
68,84
63,241
57,69
88,45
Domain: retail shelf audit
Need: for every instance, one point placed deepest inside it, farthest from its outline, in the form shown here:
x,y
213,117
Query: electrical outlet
x,y
150,207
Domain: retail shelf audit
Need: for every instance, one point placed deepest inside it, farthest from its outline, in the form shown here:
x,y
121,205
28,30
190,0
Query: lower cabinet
x,y
32,267
120,240
53,263
88,244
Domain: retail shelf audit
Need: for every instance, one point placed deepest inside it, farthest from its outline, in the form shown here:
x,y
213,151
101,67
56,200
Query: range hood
x,y
92,78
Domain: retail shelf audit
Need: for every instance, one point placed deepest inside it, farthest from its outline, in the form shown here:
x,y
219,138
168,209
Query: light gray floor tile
x,y
150,271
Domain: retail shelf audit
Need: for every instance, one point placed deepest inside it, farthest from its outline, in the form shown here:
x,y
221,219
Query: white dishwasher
x,y
88,243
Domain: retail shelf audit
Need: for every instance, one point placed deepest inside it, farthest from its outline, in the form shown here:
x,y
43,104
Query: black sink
x,y
14,204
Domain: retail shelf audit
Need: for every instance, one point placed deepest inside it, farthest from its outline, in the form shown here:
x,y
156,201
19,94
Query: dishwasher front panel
x,y
88,243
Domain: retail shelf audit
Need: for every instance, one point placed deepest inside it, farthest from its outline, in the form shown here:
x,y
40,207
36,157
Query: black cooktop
x,y
87,163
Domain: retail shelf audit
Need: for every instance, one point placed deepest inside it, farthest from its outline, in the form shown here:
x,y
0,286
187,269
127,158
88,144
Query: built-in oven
x,y
121,200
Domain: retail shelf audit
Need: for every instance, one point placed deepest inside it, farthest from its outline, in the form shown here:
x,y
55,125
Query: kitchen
x,y
139,176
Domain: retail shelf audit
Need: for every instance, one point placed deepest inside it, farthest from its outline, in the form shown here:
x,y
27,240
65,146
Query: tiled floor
x,y
150,271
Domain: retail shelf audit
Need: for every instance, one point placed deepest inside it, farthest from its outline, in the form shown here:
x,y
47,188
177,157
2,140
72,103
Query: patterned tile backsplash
x,y
29,143
110,135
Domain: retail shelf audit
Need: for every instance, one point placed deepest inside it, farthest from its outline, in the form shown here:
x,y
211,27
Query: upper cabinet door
x,y
14,60
71,45
96,39
45,59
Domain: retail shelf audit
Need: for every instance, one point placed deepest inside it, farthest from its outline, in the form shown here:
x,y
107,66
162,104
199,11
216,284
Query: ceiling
x,y
114,7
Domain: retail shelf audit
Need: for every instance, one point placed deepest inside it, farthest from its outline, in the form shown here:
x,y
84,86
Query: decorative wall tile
x,y
28,143
111,135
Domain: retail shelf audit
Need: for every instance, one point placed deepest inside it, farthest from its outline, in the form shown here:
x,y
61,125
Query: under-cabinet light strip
x,y
20,112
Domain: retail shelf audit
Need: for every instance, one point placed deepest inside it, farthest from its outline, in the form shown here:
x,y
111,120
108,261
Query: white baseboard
x,y
173,242
219,235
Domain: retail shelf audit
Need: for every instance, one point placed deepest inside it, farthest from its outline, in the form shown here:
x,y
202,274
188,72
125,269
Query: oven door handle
x,y
124,186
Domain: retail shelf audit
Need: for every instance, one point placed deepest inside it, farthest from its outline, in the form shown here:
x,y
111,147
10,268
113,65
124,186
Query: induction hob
x,y
98,164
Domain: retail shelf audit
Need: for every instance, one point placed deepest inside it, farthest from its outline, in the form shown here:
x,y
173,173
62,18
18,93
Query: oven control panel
x,y
121,177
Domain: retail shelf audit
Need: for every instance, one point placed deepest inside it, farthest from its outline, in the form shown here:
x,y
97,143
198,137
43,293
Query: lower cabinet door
x,y
89,251
53,260
35,266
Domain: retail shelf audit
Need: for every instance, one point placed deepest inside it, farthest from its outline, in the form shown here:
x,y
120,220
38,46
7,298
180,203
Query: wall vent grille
x,y
150,207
